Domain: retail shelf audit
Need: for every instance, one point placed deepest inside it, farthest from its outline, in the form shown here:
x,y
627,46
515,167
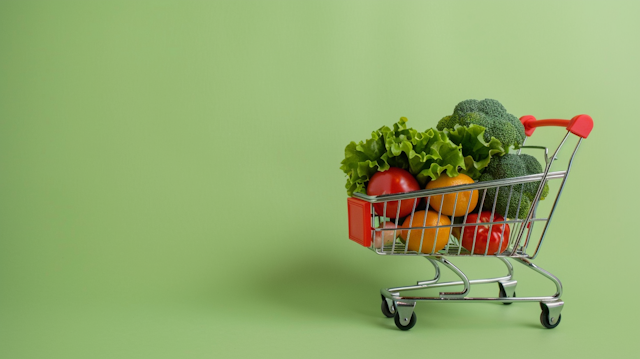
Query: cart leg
x,y
544,273
551,308
507,286
436,277
465,281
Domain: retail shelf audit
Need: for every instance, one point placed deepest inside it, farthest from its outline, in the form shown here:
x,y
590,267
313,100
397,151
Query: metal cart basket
x,y
517,240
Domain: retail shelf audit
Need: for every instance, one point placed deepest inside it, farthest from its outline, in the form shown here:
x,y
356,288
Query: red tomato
x,y
483,232
393,180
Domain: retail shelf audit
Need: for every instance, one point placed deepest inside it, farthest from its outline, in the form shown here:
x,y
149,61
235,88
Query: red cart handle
x,y
580,125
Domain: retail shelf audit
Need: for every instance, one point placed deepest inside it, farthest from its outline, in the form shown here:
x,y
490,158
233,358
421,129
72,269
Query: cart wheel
x,y
409,325
545,320
385,309
503,294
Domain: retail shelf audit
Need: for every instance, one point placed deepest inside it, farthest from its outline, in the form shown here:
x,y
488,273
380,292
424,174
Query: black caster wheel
x,y
546,321
504,294
385,309
407,326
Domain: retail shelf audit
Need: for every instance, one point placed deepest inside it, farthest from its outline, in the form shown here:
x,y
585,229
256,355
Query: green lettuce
x,y
362,161
426,155
476,150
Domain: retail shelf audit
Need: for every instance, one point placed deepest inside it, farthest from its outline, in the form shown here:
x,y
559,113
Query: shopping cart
x,y
368,228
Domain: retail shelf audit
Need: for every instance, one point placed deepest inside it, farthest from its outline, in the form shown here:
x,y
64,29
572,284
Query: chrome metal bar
x,y
373,225
466,224
453,217
382,219
424,223
544,273
528,238
509,276
436,277
459,188
546,152
541,187
465,280
413,211
470,299
435,240
413,254
432,284
555,203
384,212
509,266
505,226
514,233
475,231
466,213
426,285
422,236
393,293
523,142
531,224
493,211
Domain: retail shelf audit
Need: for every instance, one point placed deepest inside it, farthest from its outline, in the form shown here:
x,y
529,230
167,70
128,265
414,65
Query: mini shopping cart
x,y
522,245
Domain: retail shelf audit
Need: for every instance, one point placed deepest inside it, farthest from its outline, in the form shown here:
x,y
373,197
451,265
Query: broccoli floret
x,y
532,166
447,122
489,114
508,166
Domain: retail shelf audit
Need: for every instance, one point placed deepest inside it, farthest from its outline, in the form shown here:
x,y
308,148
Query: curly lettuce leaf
x,y
362,161
476,150
426,155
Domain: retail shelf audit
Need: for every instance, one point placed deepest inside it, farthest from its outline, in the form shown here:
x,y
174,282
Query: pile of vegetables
x,y
473,142
426,155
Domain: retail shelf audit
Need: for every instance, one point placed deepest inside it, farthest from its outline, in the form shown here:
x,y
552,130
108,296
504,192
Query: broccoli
x,y
489,114
507,166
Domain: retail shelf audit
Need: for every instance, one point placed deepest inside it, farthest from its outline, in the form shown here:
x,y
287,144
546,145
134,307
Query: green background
x,y
170,183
